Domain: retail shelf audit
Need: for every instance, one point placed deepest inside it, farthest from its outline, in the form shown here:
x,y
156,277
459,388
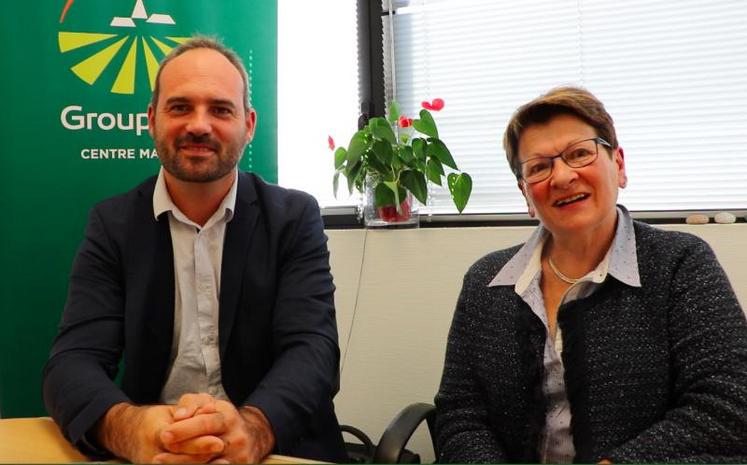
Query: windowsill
x,y
347,218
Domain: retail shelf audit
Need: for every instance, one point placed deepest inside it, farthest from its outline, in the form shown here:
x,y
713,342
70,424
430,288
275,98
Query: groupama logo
x,y
126,50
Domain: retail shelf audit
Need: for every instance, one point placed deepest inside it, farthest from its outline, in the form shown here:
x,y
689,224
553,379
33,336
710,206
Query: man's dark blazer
x,y
277,331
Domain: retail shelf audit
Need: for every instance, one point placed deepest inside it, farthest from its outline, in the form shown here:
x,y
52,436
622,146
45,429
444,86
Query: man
x,y
214,287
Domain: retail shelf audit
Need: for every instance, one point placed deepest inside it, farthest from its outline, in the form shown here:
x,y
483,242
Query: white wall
x,y
395,296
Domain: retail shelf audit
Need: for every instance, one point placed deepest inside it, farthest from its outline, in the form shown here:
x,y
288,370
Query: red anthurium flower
x,y
436,105
331,142
405,122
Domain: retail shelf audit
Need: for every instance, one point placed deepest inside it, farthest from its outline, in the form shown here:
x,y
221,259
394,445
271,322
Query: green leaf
x,y
460,186
406,154
381,129
425,124
340,156
374,162
352,175
415,183
438,149
383,151
418,147
357,146
396,164
434,170
360,183
335,183
394,186
393,114
383,195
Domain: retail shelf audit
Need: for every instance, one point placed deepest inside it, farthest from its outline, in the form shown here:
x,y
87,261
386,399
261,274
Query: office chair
x,y
391,447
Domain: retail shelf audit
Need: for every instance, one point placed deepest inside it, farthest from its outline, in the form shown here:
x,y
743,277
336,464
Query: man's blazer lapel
x,y
151,293
239,234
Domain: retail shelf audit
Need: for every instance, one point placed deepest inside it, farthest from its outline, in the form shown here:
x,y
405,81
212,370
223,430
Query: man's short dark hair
x,y
211,43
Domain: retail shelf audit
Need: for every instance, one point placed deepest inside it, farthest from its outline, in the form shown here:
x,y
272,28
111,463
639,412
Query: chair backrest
x,y
391,448
362,451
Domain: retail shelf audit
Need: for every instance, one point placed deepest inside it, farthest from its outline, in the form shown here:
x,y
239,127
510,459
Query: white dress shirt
x,y
198,250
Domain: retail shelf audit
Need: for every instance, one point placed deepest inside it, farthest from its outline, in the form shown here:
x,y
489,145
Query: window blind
x,y
673,75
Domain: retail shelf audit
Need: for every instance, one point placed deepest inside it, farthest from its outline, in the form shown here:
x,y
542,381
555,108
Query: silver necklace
x,y
560,275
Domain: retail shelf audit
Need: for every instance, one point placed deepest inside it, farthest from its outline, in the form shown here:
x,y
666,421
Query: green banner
x,y
76,80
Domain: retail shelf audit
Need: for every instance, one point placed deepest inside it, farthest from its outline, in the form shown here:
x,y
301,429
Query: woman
x,y
601,338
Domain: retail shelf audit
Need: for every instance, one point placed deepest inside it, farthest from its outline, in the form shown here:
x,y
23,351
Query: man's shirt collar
x,y
162,202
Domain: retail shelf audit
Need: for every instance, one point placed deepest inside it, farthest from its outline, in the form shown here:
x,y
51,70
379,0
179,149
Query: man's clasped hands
x,y
198,429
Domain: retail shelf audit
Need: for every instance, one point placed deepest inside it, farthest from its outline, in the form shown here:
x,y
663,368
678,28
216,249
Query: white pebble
x,y
724,218
697,219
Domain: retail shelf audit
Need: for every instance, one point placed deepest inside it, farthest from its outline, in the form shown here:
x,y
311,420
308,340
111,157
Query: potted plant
x,y
394,157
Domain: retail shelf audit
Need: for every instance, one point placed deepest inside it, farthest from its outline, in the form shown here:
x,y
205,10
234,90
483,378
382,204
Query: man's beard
x,y
203,169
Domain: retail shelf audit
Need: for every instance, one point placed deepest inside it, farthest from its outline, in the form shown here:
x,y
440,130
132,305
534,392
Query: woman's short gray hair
x,y
575,101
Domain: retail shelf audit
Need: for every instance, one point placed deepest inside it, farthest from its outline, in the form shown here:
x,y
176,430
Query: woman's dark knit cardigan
x,y
653,374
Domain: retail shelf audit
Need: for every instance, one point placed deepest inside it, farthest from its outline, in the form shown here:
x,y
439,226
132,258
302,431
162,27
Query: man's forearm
x,y
116,431
259,429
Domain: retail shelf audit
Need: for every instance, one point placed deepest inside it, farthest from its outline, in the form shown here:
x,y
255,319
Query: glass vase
x,y
389,216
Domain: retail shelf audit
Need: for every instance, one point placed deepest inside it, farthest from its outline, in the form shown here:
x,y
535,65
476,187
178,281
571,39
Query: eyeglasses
x,y
576,155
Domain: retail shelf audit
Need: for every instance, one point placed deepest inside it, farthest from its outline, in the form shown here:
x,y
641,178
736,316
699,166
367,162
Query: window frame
x,y
372,92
